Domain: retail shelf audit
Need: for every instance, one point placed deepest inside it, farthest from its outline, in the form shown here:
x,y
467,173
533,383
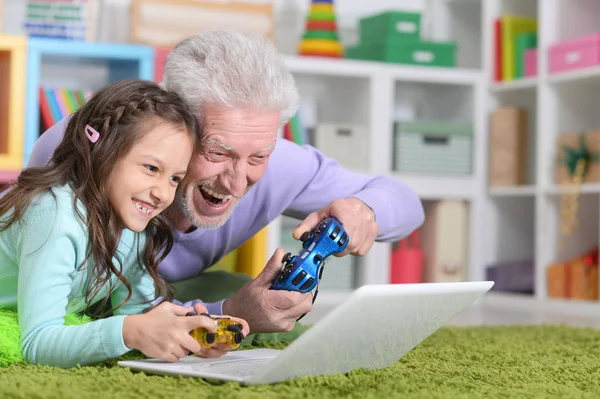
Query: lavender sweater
x,y
298,179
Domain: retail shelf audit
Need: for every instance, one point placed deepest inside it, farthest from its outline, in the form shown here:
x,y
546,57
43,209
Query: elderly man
x,y
243,176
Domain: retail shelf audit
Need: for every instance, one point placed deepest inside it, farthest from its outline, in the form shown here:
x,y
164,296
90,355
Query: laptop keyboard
x,y
238,367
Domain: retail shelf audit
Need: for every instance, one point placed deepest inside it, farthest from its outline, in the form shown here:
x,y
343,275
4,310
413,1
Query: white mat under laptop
x,y
374,328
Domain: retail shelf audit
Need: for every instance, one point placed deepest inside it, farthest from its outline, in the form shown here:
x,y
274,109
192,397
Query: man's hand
x,y
268,310
356,217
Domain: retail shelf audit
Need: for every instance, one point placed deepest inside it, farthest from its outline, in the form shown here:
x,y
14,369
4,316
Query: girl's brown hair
x,y
121,112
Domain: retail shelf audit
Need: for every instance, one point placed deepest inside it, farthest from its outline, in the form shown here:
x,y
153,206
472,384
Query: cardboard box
x,y
583,280
164,23
574,279
573,142
445,237
556,277
508,147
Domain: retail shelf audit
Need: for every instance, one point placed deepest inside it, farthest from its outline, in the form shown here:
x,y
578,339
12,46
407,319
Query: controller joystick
x,y
228,332
305,236
287,258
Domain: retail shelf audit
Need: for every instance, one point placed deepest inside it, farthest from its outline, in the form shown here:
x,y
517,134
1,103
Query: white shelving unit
x,y
376,94
506,223
524,222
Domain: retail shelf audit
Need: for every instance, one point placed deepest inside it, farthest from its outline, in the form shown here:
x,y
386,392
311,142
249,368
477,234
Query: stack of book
x,y
515,38
62,19
56,103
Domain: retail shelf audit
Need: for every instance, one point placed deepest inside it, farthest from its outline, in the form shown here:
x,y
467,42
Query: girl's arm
x,y
142,292
47,255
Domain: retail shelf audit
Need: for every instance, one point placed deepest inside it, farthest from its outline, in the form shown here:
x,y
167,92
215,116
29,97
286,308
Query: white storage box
x,y
434,148
348,144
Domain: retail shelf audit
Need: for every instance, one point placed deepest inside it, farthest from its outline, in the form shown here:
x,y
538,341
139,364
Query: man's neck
x,y
178,220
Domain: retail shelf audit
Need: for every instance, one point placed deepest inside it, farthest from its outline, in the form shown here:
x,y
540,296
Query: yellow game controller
x,y
228,332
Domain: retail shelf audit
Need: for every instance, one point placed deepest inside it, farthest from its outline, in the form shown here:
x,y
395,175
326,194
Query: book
x,y
513,25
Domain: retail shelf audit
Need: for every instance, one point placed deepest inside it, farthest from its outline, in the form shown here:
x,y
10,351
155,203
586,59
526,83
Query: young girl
x,y
86,230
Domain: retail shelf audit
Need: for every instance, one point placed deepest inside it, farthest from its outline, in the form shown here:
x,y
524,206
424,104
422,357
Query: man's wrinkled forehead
x,y
228,148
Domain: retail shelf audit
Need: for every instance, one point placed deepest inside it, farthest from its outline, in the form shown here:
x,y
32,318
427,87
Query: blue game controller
x,y
303,272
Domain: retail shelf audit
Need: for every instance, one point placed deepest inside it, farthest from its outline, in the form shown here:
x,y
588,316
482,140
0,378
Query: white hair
x,y
228,68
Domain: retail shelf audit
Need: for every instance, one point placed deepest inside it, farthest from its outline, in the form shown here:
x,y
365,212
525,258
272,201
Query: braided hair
x,y
121,112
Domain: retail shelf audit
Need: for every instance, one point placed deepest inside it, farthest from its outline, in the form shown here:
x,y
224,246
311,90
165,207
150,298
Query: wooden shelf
x,y
122,60
13,54
515,191
515,85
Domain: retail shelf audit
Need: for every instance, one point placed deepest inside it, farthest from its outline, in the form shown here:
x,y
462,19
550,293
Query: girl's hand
x,y
163,332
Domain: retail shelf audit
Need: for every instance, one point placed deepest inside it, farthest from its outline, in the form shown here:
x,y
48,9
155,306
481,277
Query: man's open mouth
x,y
213,198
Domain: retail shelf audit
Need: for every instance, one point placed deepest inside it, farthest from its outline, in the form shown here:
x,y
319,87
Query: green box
x,y
412,52
433,147
523,42
404,25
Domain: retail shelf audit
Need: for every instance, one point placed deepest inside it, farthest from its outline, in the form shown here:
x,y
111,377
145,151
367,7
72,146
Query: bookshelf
x,y
13,56
92,65
374,95
524,221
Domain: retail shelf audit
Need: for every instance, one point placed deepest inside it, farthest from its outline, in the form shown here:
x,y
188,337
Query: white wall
x,y
289,16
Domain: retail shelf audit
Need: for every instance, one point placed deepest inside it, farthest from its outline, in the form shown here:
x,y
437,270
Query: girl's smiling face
x,y
143,182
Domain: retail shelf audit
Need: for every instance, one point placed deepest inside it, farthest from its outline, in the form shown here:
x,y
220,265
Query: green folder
x,y
523,42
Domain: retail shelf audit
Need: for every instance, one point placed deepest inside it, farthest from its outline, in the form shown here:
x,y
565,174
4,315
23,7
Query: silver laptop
x,y
374,328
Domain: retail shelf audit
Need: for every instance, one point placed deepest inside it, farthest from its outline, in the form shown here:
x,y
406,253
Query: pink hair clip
x,y
92,133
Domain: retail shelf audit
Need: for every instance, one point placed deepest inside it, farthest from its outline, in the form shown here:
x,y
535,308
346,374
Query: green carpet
x,y
481,362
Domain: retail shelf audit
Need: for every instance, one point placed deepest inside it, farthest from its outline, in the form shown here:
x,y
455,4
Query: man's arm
x,y
313,181
44,146
301,180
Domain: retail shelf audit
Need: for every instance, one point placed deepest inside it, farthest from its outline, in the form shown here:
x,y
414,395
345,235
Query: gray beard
x,y
186,208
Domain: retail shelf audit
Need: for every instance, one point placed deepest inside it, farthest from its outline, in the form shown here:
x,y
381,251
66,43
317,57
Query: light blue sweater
x,y
40,279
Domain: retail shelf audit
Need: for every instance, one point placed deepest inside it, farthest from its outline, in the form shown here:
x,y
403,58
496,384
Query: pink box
x,y
531,62
581,52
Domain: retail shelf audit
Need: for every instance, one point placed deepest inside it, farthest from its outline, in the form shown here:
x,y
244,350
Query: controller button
x,y
238,337
334,233
305,236
321,227
311,247
210,338
343,239
307,284
299,277
234,327
304,254
318,259
287,257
